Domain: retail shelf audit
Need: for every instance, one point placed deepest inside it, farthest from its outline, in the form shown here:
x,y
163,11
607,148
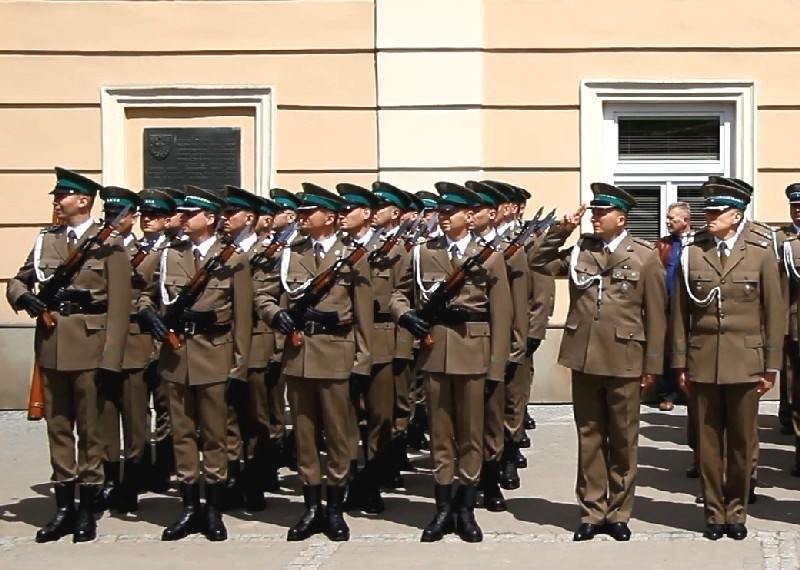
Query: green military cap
x,y
793,193
509,193
68,182
722,197
285,199
267,207
156,201
201,199
455,196
240,199
178,195
608,196
389,195
488,195
315,196
735,182
117,198
429,200
520,194
356,196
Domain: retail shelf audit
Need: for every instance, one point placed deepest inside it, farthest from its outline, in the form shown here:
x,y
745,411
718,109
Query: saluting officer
x,y
471,344
614,345
728,324
215,346
82,355
334,342
127,399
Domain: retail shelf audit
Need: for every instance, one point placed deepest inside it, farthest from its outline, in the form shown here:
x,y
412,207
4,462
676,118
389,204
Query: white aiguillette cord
x,y
583,283
425,292
715,293
788,261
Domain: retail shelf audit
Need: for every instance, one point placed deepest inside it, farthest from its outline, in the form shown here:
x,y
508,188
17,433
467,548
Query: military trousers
x,y
726,416
517,397
246,434
71,404
606,412
379,407
276,409
455,416
790,383
204,407
494,423
132,410
404,383
319,404
160,401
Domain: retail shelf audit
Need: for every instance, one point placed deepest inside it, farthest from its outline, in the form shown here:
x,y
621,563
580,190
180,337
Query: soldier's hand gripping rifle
x,y
276,245
66,272
320,286
531,227
189,294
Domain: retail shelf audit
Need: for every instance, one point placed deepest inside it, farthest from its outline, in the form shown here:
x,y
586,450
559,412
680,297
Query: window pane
x,y
645,219
650,138
693,196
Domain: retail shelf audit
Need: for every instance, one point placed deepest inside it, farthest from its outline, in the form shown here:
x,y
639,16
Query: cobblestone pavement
x,y
536,532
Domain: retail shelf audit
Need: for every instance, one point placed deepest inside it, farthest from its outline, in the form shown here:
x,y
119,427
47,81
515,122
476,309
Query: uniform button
x,y
597,318
722,282
630,335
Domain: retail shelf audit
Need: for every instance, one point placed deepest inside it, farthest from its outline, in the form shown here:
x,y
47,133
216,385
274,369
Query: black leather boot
x,y
442,522
163,466
65,517
528,422
509,476
401,451
290,451
752,498
416,429
364,493
213,527
524,441
107,497
466,525
394,463
493,499
272,461
313,520
352,473
796,469
191,520
86,526
254,500
336,528
233,497
522,461
128,493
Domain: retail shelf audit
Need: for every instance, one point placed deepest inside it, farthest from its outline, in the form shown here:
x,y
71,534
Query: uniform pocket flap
x,y
628,333
626,274
95,322
93,264
753,341
745,277
222,339
701,275
478,329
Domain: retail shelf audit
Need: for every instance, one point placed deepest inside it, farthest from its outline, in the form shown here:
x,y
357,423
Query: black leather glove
x,y
399,366
108,384
358,384
327,318
273,373
31,304
531,346
488,389
511,369
151,322
414,324
283,323
235,392
151,375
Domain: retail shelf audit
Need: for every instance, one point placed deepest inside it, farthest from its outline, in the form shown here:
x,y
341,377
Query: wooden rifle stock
x,y
323,281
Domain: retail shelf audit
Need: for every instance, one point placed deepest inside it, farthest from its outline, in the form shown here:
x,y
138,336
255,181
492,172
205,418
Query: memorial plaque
x,y
209,157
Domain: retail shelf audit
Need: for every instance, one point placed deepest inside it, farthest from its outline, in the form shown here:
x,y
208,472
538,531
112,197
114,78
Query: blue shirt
x,y
674,255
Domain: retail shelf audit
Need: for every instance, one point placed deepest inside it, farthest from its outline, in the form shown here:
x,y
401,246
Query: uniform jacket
x,y
140,346
204,358
79,341
622,333
471,348
740,339
542,293
786,237
263,344
330,356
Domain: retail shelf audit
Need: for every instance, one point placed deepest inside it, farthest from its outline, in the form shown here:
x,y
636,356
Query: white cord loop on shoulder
x,y
583,283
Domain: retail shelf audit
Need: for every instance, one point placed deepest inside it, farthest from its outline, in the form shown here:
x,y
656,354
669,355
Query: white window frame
x,y
115,100
599,97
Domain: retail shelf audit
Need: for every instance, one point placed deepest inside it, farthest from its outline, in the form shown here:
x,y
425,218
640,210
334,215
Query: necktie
x,y
72,240
319,253
723,253
454,252
197,256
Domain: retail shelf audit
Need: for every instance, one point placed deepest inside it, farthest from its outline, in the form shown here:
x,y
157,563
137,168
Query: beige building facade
x,y
654,95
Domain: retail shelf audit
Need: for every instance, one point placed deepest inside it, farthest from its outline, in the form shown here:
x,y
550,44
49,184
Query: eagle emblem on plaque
x,y
159,146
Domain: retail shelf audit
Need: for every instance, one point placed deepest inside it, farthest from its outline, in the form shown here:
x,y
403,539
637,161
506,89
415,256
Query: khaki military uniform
x,y
788,248
196,373
727,346
463,357
91,332
317,371
614,333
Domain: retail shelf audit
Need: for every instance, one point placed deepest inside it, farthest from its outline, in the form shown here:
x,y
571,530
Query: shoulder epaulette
x,y
761,229
759,242
643,242
695,236
49,229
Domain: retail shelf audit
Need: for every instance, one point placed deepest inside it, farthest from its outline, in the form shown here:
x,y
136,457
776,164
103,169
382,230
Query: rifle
x,y
66,272
447,290
277,244
189,294
391,241
322,283
531,227
423,230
